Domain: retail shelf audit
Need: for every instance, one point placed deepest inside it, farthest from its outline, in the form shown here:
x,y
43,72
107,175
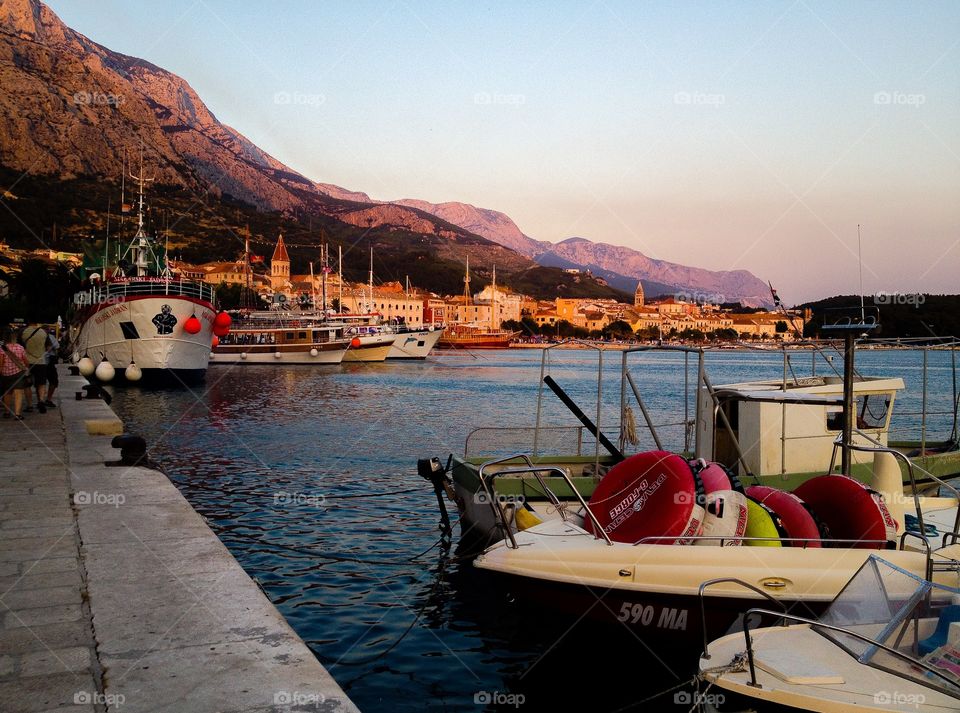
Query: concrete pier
x,y
116,596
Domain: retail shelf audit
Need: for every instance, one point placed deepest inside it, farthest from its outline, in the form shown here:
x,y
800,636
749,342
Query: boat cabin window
x,y
288,335
301,335
872,413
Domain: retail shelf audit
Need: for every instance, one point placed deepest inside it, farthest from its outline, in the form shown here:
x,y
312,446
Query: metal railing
x,y
830,627
118,291
703,605
487,483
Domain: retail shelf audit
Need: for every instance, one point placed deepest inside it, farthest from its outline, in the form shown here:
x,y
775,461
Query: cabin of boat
x,y
780,433
270,338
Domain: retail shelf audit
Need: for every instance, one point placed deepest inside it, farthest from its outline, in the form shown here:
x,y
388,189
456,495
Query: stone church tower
x,y
279,266
638,295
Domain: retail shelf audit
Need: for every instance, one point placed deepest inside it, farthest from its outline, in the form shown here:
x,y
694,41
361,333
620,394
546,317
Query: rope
x,y
630,426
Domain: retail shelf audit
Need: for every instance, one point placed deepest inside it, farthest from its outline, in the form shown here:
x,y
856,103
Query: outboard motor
x,y
431,470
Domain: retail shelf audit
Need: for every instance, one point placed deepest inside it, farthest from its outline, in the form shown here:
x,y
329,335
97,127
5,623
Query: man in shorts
x,y
35,343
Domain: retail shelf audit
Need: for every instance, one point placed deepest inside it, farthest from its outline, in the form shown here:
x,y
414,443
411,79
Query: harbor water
x,y
309,477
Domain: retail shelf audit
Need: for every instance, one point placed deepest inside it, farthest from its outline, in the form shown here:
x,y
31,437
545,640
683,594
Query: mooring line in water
x,y
341,558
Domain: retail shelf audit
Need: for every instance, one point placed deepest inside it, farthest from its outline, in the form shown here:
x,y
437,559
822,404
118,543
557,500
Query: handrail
x,y
535,471
654,539
913,484
724,580
812,623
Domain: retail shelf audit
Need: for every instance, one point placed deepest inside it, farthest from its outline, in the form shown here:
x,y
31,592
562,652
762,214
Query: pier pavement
x,y
115,595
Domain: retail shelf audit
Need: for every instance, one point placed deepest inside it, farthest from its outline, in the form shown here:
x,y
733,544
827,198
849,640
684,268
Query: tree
x,y
40,292
618,329
237,296
781,327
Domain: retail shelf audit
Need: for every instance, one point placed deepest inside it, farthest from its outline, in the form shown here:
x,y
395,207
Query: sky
x,y
746,135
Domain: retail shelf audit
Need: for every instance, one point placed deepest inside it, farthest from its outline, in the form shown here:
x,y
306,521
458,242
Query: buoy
x,y
243,355
86,366
215,342
652,494
761,523
105,371
725,504
355,342
314,352
795,519
276,355
850,511
526,519
222,320
133,372
220,330
192,325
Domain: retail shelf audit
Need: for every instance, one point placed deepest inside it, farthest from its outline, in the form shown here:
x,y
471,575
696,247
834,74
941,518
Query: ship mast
x,y
370,302
493,300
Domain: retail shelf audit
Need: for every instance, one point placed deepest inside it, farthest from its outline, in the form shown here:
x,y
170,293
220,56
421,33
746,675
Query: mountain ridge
x,y
72,107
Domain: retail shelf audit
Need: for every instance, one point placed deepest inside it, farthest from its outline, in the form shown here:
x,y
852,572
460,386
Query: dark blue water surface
x,y
274,457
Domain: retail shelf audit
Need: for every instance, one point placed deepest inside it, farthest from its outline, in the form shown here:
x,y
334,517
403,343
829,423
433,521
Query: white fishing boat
x,y
889,642
140,321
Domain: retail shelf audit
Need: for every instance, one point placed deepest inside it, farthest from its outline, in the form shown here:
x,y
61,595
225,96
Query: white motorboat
x,y
630,539
890,641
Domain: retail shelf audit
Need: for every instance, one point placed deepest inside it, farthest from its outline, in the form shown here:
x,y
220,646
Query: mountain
x,y
695,283
71,109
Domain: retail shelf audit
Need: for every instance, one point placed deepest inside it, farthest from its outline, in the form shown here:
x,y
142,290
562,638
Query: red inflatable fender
x,y
651,494
851,511
792,512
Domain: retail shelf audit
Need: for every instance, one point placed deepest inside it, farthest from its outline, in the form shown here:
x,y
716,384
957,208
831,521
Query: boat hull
x,y
327,353
415,344
371,347
650,587
126,329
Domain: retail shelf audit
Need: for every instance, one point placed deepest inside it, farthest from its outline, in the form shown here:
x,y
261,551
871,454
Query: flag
x,y
776,297
256,258
126,208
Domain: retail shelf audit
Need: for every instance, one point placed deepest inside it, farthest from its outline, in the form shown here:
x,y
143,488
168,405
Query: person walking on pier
x,y
13,373
36,342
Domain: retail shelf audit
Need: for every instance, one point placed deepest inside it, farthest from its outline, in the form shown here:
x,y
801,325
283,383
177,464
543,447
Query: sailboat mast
x,y
370,302
340,281
493,300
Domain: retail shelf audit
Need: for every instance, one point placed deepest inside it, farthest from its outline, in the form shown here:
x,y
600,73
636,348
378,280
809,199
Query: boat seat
x,y
949,615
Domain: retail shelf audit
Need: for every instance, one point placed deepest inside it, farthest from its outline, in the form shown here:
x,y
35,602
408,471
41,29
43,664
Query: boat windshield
x,y
915,617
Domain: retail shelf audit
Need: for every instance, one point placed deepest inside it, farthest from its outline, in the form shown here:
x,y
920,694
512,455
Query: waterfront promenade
x,y
116,596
